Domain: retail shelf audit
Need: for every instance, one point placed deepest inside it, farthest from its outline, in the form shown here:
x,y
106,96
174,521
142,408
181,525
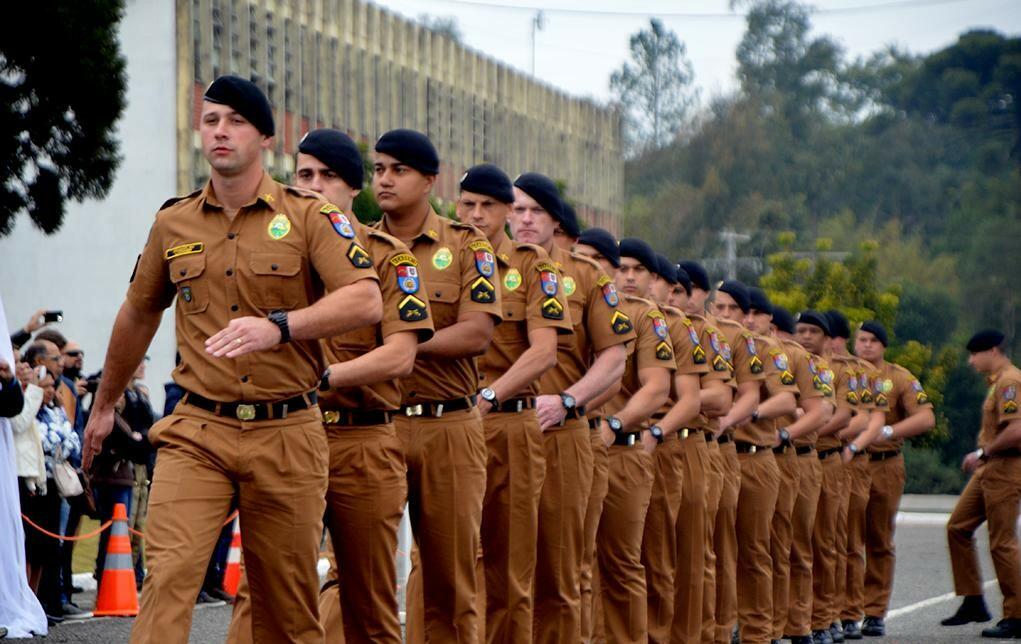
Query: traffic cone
x,y
232,575
117,593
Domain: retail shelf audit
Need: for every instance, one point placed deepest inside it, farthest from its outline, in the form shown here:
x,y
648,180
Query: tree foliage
x,y
61,92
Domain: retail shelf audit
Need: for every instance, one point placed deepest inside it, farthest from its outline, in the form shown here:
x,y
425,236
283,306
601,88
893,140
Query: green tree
x,y
62,91
654,88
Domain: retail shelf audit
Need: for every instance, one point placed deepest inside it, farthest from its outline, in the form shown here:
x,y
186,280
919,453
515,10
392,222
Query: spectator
x,y
22,336
139,414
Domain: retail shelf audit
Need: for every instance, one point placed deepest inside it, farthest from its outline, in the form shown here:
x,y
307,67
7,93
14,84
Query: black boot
x,y
1004,629
973,609
851,630
822,636
873,627
837,633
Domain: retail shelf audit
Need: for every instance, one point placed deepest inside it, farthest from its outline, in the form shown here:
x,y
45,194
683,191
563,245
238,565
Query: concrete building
x,y
346,64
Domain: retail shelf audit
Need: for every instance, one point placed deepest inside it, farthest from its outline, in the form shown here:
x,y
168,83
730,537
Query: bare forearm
x,y
464,339
604,397
877,419
540,356
915,424
781,404
840,419
746,402
394,359
132,333
650,396
1008,438
716,399
854,428
606,369
687,407
351,307
815,416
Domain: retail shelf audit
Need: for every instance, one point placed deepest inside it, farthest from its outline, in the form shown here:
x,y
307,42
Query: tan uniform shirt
x,y
690,356
845,393
405,308
283,250
599,320
719,358
533,298
458,269
1001,404
653,348
897,392
813,378
776,380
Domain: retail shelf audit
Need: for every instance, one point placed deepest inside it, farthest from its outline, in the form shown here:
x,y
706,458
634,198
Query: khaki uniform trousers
x,y
859,482
446,460
364,504
515,469
556,616
992,495
714,488
840,543
622,590
277,472
826,543
799,607
692,532
659,539
781,534
760,483
880,514
726,544
589,572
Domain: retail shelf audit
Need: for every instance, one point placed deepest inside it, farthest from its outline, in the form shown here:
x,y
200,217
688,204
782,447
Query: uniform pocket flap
x,y
275,264
186,268
446,292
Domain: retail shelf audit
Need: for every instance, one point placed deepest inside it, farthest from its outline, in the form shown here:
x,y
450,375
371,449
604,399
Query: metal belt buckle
x,y
521,405
753,449
331,417
413,410
439,410
630,440
245,412
684,433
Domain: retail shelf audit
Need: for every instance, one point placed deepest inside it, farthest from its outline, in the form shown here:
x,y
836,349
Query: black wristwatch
x,y
279,318
785,436
755,415
324,381
657,433
568,401
489,396
615,425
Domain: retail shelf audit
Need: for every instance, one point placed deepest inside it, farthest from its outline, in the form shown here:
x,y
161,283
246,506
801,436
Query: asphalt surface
x,y
922,592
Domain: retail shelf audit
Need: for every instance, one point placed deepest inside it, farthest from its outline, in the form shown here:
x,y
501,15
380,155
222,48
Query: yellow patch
x,y
279,226
328,208
603,281
190,248
545,266
481,244
268,198
406,259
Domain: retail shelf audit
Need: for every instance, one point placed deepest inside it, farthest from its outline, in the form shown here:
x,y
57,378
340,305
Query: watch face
x,y
488,394
614,423
657,432
569,401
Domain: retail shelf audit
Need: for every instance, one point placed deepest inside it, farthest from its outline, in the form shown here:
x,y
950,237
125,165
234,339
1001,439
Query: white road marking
x,y
926,603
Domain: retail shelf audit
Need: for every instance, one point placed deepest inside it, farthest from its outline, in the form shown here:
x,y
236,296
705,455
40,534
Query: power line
x,y
891,5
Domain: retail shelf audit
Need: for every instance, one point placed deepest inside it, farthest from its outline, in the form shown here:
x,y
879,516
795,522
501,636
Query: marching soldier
x,y
248,261
992,494
908,413
524,347
439,423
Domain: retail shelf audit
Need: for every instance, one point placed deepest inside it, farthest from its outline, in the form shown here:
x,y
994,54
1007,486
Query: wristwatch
x,y
981,454
887,432
615,425
324,381
785,436
489,396
755,415
568,401
854,448
657,433
279,318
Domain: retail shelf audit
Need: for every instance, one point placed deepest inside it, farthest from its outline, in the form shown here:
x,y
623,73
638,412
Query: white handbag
x,y
66,478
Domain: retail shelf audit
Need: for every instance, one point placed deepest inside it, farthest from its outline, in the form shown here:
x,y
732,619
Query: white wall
x,y
84,268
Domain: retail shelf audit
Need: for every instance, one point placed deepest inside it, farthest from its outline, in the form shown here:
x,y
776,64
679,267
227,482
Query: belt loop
x,y
439,410
283,410
520,405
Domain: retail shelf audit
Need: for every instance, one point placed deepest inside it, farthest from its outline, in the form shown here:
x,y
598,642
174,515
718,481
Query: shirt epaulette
x,y
173,200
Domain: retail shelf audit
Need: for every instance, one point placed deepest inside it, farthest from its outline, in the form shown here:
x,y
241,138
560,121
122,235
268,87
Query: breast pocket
x,y
444,299
186,273
514,317
279,282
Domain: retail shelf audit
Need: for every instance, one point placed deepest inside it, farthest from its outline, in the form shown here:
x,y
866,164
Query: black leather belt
x,y
780,449
436,408
575,413
744,447
355,418
1006,453
515,405
708,436
804,449
627,439
247,411
688,432
724,438
593,422
882,456
825,453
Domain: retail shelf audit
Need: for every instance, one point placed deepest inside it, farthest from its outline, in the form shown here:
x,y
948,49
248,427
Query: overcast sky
x,y
579,47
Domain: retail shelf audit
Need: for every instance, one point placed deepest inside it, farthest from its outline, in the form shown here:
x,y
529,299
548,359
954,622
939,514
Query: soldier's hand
x,y
243,336
846,455
971,462
606,433
649,442
550,411
98,428
485,407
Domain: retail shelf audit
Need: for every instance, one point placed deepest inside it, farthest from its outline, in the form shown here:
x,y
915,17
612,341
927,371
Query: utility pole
x,y
538,22
730,241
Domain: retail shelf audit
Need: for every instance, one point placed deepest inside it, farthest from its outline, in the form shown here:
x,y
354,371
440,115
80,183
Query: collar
x,y
430,230
504,250
267,194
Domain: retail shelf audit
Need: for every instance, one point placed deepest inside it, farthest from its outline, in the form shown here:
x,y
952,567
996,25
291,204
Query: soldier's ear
x,y
267,142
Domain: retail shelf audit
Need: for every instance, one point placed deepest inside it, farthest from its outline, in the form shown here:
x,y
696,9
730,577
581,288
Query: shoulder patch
x,y
610,295
412,309
406,268
552,309
359,256
659,324
339,221
548,279
482,291
620,322
404,258
664,351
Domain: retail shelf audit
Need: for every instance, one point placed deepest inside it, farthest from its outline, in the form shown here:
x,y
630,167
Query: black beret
x,y
697,273
839,326
544,191
985,340
338,152
569,222
246,98
815,318
683,279
410,148
487,179
667,269
759,301
637,249
738,291
878,330
783,319
602,241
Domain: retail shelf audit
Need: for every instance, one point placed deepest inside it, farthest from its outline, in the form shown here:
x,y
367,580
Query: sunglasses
x,y
74,354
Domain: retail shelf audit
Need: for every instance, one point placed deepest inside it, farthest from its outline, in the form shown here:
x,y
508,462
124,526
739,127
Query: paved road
x,y
920,598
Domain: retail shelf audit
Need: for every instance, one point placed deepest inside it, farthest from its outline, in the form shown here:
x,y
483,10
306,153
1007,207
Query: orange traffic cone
x,y
117,594
232,575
